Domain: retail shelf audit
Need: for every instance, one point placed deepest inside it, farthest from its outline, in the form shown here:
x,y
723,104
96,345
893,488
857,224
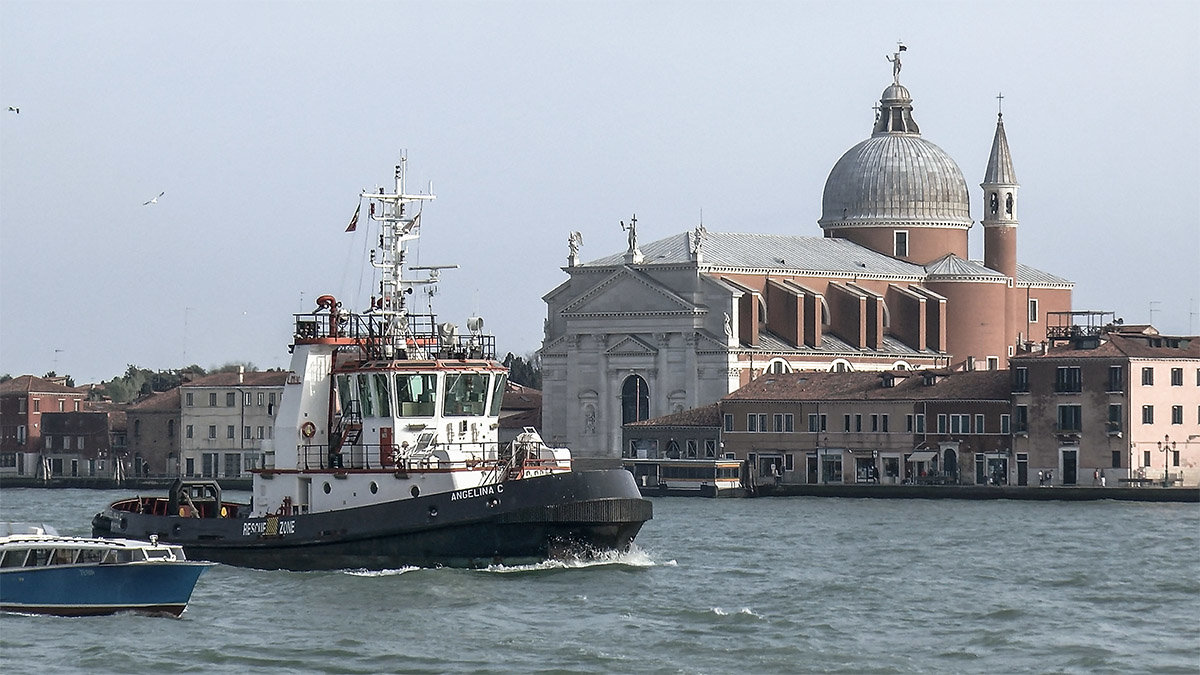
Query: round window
x,y
326,488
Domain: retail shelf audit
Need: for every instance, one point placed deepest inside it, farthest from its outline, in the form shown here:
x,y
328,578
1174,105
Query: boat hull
x,y
87,590
515,522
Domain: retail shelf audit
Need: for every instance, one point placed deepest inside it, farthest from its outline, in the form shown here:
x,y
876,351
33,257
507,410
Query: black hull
x,y
516,522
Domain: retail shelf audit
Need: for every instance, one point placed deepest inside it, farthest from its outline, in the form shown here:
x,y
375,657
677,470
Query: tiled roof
x,y
1028,276
985,385
774,252
26,384
1118,345
255,378
525,418
954,266
704,416
164,401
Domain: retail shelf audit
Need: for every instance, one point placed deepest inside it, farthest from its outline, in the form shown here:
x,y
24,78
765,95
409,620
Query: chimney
x,y
241,374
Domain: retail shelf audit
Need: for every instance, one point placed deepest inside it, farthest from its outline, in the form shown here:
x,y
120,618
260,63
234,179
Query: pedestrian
x,y
1096,477
1041,479
1102,479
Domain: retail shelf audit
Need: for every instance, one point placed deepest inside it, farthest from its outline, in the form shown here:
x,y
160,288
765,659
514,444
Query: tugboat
x,y
386,451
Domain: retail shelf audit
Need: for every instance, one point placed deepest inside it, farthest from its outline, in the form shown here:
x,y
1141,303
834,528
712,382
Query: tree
x,y
526,371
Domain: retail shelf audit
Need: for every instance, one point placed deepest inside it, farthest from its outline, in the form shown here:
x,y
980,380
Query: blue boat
x,y
42,572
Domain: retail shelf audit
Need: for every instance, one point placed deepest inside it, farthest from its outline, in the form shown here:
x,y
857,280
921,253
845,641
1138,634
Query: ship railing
x,y
423,337
374,457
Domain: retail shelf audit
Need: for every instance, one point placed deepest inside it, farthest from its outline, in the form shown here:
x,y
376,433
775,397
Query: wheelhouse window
x,y
383,393
499,384
416,394
464,394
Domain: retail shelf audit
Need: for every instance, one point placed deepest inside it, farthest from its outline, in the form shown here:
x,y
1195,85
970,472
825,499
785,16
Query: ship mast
x,y
397,226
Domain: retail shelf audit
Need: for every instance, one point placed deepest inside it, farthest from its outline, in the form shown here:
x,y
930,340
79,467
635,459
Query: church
x,y
680,322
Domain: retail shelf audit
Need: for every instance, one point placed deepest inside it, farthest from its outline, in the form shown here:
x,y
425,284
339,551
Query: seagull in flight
x,y
13,109
155,200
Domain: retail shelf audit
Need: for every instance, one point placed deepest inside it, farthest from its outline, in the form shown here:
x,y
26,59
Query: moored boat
x,y
42,572
386,451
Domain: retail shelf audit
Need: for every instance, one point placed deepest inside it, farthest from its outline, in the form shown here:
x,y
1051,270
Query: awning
x,y
922,456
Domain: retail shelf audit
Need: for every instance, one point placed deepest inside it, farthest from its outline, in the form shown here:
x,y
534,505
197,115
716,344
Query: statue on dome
x,y
895,60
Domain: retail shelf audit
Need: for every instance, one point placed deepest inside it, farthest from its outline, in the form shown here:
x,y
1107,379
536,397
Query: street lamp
x,y
1168,447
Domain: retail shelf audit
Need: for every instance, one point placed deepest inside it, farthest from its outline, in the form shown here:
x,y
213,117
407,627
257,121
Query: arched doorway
x,y
635,399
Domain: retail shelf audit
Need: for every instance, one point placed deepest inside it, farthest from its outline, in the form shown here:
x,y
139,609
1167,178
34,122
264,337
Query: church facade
x,y
682,321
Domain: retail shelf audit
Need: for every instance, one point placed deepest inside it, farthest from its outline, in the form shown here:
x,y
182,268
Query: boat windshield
x,y
416,393
498,387
14,558
465,394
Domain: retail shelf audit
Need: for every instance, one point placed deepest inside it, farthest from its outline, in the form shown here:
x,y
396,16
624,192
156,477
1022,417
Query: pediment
x,y
631,345
627,291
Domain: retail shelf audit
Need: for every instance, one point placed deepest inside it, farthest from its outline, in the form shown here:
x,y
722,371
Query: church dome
x,y
895,177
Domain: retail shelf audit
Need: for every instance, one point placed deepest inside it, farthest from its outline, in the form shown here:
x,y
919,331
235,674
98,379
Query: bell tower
x,y
1000,206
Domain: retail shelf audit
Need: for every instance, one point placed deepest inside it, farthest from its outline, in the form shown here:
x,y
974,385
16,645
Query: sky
x,y
262,121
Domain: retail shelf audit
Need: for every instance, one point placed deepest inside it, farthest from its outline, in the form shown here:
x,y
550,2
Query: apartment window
x,y
230,399
777,421
37,405
1145,458
728,422
1020,379
789,423
1067,379
62,405
908,423
847,420
816,422
1033,310
979,424
1174,458
188,397
1147,376
1070,418
710,448
943,423
874,422
921,424
212,399
229,431
993,363
1005,424
1116,378
248,399
1021,419
691,448
260,433
261,396
212,431
246,433
190,431
1147,414
1177,377
901,243
883,423
271,399
21,406
1176,414
1114,417
960,424
858,422
756,422
1116,459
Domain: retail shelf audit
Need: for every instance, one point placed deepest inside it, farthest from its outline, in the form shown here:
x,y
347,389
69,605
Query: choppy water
x,y
714,586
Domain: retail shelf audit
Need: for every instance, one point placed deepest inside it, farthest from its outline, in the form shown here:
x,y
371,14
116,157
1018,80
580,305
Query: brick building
x,y
23,401
680,322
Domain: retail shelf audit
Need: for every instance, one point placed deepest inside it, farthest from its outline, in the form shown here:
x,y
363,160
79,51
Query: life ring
x,y
308,429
